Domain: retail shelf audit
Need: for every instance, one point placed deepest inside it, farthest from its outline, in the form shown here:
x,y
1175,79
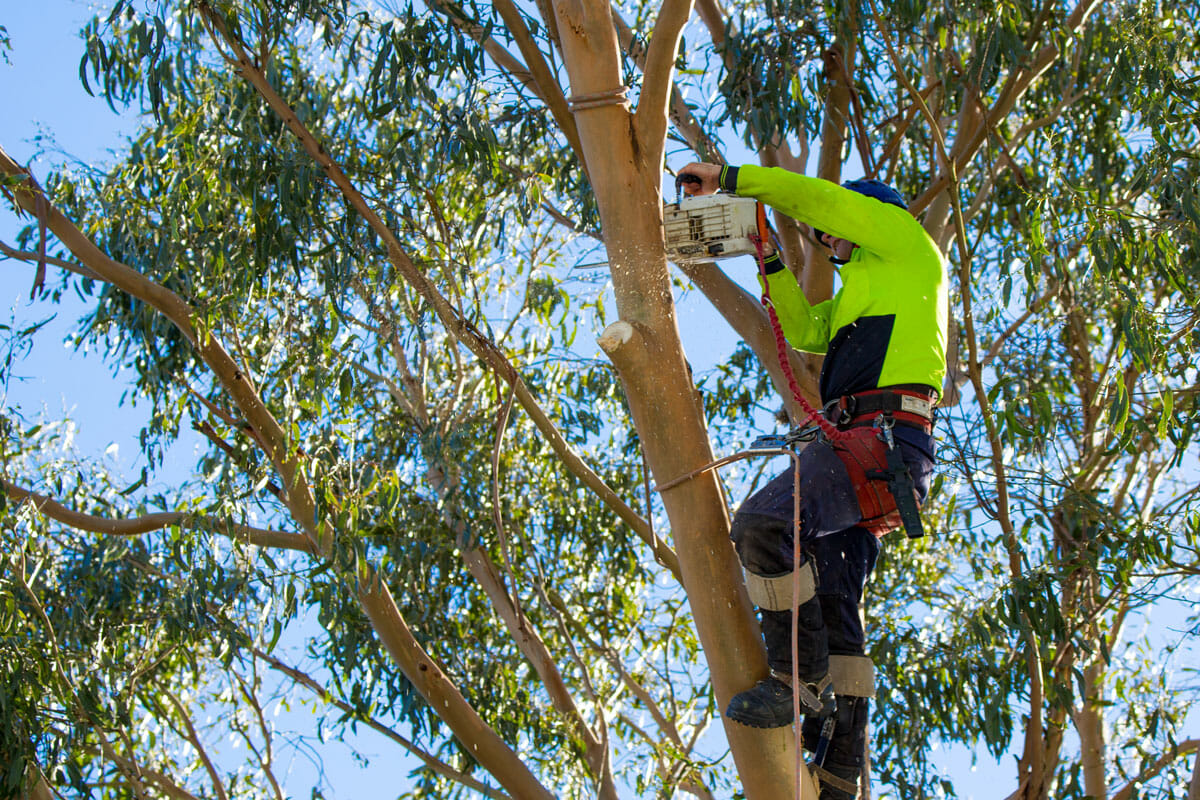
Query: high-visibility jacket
x,y
887,324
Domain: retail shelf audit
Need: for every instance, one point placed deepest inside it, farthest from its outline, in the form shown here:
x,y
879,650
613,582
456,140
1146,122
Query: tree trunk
x,y
626,173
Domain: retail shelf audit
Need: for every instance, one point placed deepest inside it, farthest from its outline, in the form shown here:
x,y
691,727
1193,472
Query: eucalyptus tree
x,y
340,253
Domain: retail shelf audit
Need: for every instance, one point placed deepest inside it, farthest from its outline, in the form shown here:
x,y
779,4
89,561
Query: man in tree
x,y
883,335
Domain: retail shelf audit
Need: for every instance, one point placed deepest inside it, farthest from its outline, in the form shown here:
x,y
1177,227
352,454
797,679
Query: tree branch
x,y
434,764
152,522
745,314
463,330
27,196
194,739
685,122
658,73
70,266
1126,792
967,143
549,88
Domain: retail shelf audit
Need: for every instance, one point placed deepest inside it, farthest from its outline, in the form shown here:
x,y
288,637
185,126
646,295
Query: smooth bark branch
x,y
968,142
732,646
685,121
549,88
1194,786
194,739
231,376
153,522
70,266
1089,723
36,785
658,76
534,649
443,696
662,399
527,639
714,18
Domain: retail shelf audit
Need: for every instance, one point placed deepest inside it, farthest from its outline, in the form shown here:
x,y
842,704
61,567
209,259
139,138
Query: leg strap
x,y
853,676
774,592
826,777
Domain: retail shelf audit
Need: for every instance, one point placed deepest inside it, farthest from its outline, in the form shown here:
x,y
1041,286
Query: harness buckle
x,y
841,410
885,422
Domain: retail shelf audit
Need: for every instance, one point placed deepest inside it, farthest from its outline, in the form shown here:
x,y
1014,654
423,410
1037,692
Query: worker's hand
x,y
699,178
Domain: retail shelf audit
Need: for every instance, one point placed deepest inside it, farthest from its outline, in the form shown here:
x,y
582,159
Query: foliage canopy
x,y
345,253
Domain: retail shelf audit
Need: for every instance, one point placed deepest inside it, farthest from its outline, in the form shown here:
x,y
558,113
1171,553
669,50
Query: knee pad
x,y
776,592
853,676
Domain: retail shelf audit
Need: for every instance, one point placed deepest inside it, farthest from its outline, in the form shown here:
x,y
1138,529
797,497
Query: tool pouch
x,y
882,483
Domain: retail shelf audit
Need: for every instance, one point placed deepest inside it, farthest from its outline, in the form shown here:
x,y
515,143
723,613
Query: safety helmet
x,y
871,187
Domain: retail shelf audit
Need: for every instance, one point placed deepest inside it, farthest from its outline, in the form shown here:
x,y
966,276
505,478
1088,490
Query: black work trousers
x,y
843,556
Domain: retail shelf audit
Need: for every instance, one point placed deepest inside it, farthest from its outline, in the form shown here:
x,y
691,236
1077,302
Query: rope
x,y
610,97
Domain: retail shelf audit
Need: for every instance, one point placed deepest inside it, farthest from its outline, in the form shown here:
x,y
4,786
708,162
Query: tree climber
x,y
883,335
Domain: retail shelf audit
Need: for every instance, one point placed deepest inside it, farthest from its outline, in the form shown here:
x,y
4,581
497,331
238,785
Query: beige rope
x,y
610,97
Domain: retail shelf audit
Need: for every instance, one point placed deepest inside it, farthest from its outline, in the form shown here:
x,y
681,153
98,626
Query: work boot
x,y
768,704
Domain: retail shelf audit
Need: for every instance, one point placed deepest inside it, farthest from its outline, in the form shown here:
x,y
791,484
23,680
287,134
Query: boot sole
x,y
759,722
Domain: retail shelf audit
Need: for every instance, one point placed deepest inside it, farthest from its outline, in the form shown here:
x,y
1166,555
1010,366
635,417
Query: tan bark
x,y
36,784
1181,750
468,727
232,377
153,522
971,137
722,611
1089,724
